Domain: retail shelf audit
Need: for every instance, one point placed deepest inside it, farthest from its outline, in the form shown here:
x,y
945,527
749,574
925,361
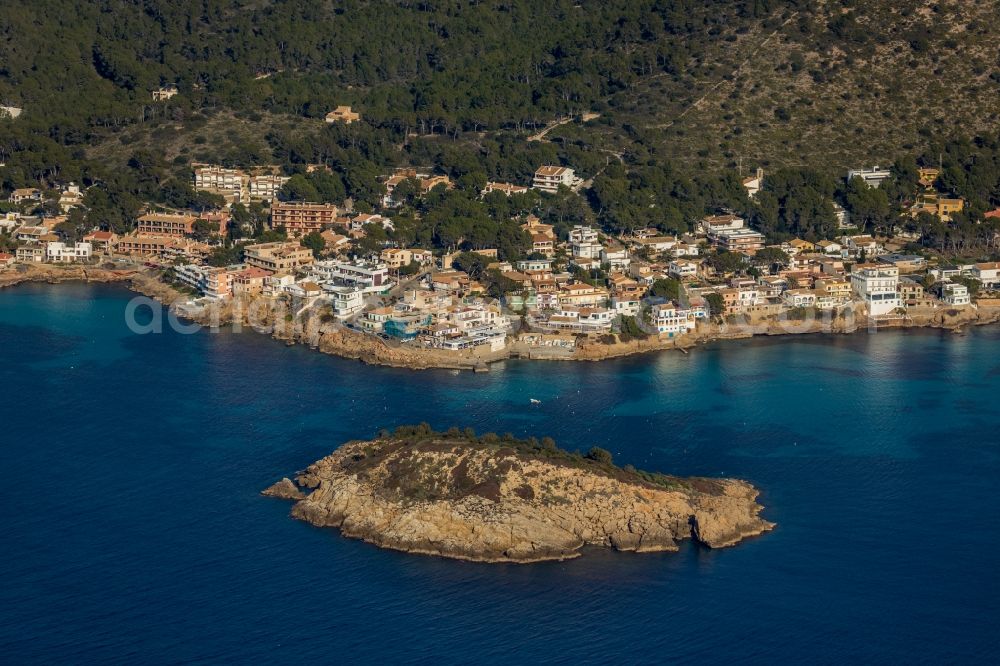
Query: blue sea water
x,y
130,467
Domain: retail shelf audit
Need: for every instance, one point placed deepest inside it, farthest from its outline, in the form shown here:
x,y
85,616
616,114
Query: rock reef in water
x,y
511,500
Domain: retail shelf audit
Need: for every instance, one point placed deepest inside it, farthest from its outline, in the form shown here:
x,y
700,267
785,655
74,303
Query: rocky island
x,y
501,499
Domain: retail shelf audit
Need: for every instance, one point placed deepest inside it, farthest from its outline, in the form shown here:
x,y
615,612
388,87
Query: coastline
x,y
54,274
337,340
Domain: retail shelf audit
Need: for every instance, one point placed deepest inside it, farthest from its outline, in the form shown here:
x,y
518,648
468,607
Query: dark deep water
x,y
130,467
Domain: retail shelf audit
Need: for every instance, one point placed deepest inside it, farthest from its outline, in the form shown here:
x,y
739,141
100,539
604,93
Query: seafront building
x,y
58,252
954,293
878,286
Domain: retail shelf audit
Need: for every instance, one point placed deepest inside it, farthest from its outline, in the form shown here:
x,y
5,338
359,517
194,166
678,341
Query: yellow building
x,y
928,175
937,205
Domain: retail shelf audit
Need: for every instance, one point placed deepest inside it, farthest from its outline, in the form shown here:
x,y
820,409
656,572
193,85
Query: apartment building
x,y
584,243
161,246
266,187
371,277
746,241
166,224
249,281
58,252
878,286
277,257
618,259
300,218
581,319
230,183
549,178
721,223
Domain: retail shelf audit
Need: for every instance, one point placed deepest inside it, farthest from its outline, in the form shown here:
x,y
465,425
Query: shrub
x,y
597,454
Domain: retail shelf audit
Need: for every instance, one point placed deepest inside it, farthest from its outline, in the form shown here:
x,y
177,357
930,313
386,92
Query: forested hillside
x,y
680,94
444,66
767,80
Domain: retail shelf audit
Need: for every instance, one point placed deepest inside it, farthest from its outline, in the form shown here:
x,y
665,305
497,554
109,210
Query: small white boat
x,y
535,402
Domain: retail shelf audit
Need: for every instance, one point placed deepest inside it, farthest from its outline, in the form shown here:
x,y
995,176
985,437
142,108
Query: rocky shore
x,y
53,274
477,499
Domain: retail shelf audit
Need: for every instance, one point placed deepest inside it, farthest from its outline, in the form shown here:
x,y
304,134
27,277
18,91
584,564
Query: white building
x,y
583,234
954,293
878,286
754,183
799,298
717,224
584,243
347,301
230,183
582,319
627,306
856,244
59,252
830,248
505,188
70,197
471,325
278,283
266,187
671,319
372,277
685,249
549,178
534,265
682,268
192,275
873,177
988,274
617,259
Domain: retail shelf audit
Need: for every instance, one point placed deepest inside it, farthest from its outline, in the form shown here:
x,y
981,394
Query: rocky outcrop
x,y
369,349
52,274
284,489
499,503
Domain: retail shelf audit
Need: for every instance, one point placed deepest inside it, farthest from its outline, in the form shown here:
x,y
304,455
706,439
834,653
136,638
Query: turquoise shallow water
x,y
130,467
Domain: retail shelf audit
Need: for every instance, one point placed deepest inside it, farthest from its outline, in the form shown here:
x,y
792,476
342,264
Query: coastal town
x,y
575,285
